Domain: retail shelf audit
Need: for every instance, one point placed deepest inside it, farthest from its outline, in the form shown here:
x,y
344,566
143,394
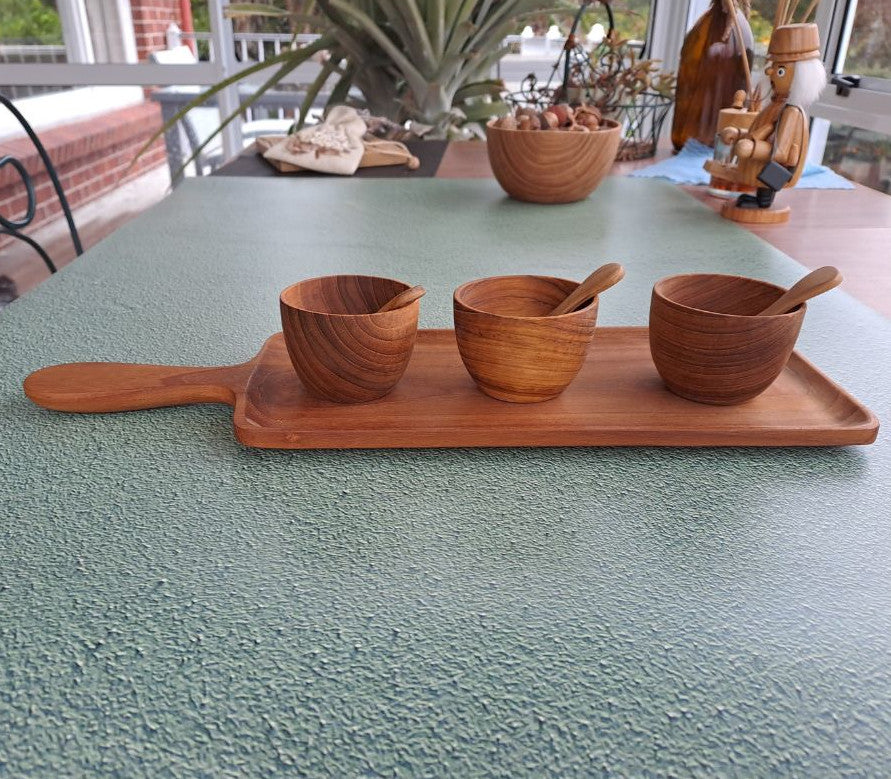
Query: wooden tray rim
x,y
861,432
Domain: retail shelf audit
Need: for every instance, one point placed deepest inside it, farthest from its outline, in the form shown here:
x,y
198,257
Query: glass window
x,y
858,119
761,21
869,47
631,18
860,155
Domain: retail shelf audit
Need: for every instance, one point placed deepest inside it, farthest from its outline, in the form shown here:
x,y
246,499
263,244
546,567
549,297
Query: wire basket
x,y
641,123
641,120
602,78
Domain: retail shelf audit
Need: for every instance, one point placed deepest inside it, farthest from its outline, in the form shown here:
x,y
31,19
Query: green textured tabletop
x,y
174,604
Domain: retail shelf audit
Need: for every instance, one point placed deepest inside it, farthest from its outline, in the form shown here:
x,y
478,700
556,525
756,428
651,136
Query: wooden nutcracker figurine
x,y
770,155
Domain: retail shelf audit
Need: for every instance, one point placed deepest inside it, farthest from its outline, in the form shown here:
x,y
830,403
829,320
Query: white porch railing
x,y
262,41
28,53
231,52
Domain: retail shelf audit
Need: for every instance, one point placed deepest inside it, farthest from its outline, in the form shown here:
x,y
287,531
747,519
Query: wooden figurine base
x,y
755,215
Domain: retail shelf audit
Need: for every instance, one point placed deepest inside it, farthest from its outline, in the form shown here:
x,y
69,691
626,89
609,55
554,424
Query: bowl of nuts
x,y
558,155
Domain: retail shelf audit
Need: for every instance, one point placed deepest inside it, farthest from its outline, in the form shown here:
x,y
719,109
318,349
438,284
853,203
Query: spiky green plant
x,y
425,60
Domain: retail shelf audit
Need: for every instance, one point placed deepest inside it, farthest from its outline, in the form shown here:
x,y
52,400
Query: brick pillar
x,y
151,18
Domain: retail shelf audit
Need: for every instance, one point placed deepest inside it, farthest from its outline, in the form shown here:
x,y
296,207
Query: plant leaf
x,y
283,71
206,95
234,10
478,112
342,88
414,77
492,87
291,56
313,90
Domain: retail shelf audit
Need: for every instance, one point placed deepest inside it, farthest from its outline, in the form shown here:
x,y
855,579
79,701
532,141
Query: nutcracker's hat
x,y
794,42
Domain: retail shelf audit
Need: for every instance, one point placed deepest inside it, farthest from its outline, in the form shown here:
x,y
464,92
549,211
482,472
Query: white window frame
x,y
867,106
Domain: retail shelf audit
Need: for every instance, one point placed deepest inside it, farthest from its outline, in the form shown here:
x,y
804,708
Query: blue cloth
x,y
685,167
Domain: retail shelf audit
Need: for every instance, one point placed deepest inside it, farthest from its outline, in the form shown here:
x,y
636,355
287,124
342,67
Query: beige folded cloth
x,y
377,153
334,146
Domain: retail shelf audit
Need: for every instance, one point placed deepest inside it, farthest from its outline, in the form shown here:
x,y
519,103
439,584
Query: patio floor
x,y
21,266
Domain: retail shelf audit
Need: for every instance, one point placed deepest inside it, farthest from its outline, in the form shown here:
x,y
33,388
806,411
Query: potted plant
x,y
421,60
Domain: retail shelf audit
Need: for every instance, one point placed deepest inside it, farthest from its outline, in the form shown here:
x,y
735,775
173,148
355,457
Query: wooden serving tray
x,y
617,399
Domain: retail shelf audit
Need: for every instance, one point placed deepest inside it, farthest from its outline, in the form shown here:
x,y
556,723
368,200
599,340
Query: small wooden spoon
x,y
815,283
601,279
403,299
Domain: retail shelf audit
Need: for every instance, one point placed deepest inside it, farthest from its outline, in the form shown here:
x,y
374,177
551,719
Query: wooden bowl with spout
x,y
342,348
511,347
551,166
708,342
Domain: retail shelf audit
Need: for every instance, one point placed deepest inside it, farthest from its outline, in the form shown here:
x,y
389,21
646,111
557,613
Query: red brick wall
x,y
151,18
91,157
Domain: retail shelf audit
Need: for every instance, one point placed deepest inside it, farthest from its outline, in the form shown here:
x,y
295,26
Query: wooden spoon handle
x,y
815,283
403,299
601,279
111,386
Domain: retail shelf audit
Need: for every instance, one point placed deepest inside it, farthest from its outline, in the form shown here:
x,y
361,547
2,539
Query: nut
x,y
563,113
549,121
589,121
524,122
507,123
588,111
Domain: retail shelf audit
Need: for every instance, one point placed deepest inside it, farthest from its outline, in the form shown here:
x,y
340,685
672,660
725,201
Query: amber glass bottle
x,y
710,71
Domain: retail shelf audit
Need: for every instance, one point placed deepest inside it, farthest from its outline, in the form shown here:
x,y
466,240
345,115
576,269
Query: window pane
x,y
761,22
861,155
869,50
631,17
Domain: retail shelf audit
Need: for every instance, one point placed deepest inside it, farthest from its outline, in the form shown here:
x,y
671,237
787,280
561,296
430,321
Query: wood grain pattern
x,y
617,399
96,387
708,342
825,225
511,345
551,166
342,347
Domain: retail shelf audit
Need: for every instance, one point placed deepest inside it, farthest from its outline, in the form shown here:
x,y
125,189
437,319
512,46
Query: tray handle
x,y
93,387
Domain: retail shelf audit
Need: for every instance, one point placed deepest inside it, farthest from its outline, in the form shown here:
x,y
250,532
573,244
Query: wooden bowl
x,y
341,348
709,345
510,346
551,166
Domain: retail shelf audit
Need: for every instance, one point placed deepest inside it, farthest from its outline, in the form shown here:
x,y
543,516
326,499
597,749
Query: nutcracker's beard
x,y
808,81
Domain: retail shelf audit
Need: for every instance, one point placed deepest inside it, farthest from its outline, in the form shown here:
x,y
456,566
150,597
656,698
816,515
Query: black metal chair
x,y
14,226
